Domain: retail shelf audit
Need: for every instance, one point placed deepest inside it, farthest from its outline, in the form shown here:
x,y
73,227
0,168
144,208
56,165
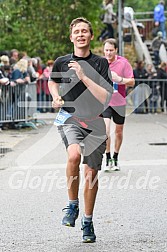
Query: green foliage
x,y
141,6
41,28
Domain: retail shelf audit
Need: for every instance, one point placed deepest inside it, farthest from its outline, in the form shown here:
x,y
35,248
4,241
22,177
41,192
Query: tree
x,y
141,6
41,27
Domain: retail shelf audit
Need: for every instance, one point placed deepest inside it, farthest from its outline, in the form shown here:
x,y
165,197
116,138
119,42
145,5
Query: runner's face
x,y
109,52
80,35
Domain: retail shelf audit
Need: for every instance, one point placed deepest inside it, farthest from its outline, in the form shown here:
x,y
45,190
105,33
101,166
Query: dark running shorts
x,y
92,142
117,113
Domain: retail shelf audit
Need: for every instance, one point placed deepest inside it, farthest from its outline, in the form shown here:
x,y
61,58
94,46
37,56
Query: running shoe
x,y
109,165
88,232
72,212
116,166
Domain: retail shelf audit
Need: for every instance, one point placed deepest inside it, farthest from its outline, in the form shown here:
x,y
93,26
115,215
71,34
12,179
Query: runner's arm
x,y
54,90
100,93
129,82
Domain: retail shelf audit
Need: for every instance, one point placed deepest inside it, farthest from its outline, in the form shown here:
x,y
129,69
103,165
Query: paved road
x,y
131,208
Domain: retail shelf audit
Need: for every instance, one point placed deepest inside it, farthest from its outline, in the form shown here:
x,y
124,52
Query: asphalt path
x,y
131,207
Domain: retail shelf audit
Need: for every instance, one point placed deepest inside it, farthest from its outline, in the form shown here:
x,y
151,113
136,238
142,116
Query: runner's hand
x,y
57,102
78,69
115,77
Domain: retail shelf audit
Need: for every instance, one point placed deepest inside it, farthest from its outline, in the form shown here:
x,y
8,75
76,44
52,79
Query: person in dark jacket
x,y
156,44
162,74
140,75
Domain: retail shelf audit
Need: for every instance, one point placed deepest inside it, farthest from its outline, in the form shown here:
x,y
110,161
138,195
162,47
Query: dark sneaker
x,y
88,232
72,212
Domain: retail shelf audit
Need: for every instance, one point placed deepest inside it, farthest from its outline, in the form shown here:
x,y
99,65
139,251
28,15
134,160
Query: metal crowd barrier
x,y
148,96
21,103
9,98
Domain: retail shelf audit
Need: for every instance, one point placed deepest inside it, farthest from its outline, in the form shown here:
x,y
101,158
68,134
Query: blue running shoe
x,y
72,212
88,232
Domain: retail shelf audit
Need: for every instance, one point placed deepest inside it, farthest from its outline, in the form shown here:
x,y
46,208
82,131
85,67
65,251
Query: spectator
x,y
14,56
140,72
39,69
19,74
22,55
3,93
32,69
7,71
153,98
161,74
152,74
4,60
18,93
109,18
159,17
3,80
46,97
140,75
156,43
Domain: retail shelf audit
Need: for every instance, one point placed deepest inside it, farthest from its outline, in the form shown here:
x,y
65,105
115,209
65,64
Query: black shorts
x,y
118,114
